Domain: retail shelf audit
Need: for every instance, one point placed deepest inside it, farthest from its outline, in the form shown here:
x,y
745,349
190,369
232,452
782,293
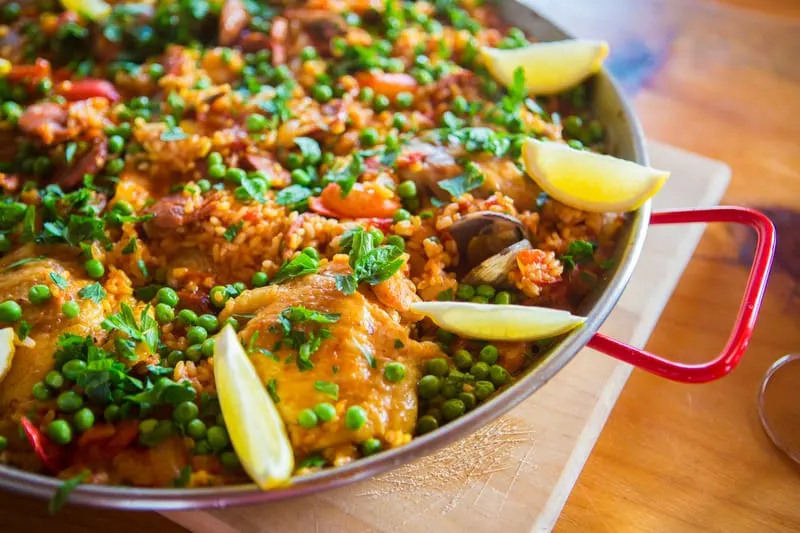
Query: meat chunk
x,y
48,323
47,120
89,163
361,342
232,20
426,165
173,211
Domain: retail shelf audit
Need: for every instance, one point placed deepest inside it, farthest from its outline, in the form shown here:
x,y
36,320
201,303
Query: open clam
x,y
488,243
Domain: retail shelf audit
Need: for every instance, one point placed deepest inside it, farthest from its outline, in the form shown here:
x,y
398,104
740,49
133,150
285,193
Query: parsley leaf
x,y
11,214
300,328
233,231
29,225
327,388
299,266
294,196
368,355
63,491
130,247
345,175
253,189
516,92
173,133
469,181
369,264
346,283
145,331
22,262
69,152
309,148
93,292
272,390
164,392
578,253
23,329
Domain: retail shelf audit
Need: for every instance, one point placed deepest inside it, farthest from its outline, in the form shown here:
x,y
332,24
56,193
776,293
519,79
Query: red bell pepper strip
x,y
45,450
88,88
39,69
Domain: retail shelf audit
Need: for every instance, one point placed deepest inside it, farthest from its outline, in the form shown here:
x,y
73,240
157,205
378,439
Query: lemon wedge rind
x,y
498,322
7,349
255,427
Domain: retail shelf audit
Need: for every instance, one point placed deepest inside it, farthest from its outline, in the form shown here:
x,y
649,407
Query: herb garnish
x,y
469,181
299,266
63,491
233,231
327,388
301,330
272,390
146,330
370,264
578,253
93,292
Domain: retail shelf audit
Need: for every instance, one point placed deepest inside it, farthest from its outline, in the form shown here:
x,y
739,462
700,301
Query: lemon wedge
x,y
498,322
6,350
91,9
589,181
255,427
549,67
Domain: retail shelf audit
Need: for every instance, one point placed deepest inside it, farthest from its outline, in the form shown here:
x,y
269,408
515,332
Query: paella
x,y
274,199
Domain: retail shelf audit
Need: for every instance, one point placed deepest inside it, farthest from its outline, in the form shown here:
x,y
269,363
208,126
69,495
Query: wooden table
x,y
721,78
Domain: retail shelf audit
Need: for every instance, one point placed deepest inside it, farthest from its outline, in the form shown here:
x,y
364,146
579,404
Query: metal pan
x,y
627,141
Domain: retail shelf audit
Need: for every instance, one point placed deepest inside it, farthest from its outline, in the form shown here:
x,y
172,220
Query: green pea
x,y
450,389
74,368
111,413
233,323
83,419
483,389
498,375
308,53
380,103
437,367
307,419
260,279
322,93
196,335
187,317
255,123
116,144
487,291
468,399
59,432
216,172
69,401
94,268
175,357
460,105
207,348
394,372
480,300
400,215
452,409
3,443
445,336
218,437
480,370
594,131
465,292
368,137
429,386
573,126
489,354
202,447
311,252
167,296
218,296
366,94
370,447
377,236
397,241
355,417
54,379
185,412
502,298
294,160
407,189
10,311
164,313
426,424
462,359
39,294
404,100
196,429
325,411
229,460
575,144
423,77
235,175
399,121
40,391
148,425
209,322
215,158
301,177
194,352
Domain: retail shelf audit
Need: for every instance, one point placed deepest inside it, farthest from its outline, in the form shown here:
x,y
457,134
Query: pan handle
x,y
748,310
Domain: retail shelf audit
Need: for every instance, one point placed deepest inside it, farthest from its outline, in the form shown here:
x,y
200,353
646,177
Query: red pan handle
x,y
748,310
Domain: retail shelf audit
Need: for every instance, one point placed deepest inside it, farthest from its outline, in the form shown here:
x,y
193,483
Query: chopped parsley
x,y
309,148
345,175
398,344
23,329
130,247
183,478
368,355
327,388
469,181
164,392
294,196
302,331
63,491
578,253
272,390
145,330
370,264
233,231
22,262
299,266
93,292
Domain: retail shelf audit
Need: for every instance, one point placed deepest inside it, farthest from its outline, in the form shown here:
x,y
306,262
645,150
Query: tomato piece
x,y
363,201
89,88
316,204
389,84
47,452
39,69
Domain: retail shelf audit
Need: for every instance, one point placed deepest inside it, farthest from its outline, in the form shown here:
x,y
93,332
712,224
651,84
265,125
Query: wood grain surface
x,y
721,78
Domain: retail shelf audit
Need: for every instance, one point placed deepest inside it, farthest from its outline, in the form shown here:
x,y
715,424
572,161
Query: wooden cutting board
x,y
515,474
